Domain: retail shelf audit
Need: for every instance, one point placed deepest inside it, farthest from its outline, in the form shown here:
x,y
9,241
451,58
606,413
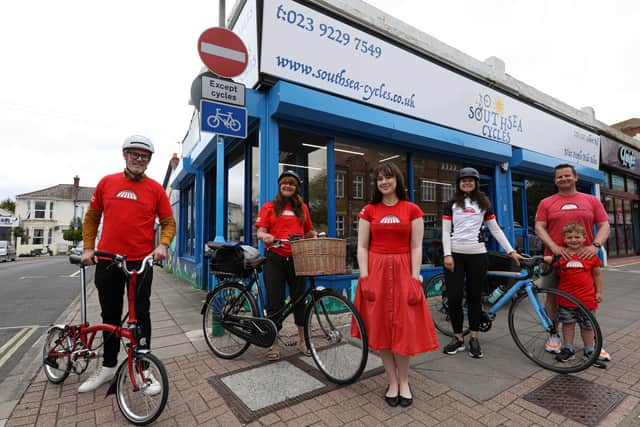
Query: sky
x,y
78,77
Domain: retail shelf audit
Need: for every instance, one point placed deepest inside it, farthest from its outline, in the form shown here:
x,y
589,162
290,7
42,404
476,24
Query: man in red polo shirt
x,y
128,203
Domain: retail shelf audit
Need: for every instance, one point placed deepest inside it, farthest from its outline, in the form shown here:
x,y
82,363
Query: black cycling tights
x,y
469,270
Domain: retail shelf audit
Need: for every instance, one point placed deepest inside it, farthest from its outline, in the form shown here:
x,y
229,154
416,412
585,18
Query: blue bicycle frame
x,y
525,281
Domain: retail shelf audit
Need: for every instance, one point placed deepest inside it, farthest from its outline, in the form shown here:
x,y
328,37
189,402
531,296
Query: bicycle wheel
x,y
144,403
436,292
530,337
56,355
229,298
336,337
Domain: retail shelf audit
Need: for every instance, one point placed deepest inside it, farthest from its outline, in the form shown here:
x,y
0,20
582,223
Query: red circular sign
x,y
223,52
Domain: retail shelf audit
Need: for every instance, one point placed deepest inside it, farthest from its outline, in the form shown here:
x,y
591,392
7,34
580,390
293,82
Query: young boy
x,y
582,279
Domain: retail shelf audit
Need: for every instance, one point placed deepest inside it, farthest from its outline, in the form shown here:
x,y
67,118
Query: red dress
x,y
390,301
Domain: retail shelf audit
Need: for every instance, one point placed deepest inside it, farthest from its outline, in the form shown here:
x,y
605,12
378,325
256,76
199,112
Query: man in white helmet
x,y
128,203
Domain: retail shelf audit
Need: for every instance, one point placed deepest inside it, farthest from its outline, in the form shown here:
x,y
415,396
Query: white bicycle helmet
x,y
138,141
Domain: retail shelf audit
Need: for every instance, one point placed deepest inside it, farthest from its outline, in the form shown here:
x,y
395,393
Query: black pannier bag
x,y
231,259
503,262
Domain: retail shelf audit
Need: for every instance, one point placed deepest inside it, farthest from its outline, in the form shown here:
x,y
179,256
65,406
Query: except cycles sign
x,y
223,90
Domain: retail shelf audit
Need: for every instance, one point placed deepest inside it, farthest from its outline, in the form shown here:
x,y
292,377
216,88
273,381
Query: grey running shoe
x,y
474,349
454,346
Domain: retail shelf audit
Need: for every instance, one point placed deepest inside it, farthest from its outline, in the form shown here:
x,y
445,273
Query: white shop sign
x,y
302,45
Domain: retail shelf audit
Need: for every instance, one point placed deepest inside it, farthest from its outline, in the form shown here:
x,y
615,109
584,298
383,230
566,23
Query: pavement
x,y
448,390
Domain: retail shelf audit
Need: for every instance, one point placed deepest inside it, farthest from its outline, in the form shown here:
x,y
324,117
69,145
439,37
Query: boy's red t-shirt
x,y
576,278
129,212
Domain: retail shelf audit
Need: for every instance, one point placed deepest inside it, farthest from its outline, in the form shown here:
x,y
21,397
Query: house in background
x,y
45,214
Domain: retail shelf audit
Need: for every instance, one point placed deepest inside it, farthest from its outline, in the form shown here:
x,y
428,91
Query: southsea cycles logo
x,y
127,194
489,112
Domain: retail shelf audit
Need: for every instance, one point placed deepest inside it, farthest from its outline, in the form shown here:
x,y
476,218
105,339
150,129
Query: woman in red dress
x,y
389,296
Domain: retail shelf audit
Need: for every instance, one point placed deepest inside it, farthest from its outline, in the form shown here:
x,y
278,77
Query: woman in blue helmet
x,y
284,216
465,255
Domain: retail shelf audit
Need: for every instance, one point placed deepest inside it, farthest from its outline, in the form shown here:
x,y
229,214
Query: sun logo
x,y
499,106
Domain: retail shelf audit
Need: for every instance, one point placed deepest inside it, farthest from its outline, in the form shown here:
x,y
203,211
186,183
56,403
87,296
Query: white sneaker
x,y
604,355
99,377
153,386
553,344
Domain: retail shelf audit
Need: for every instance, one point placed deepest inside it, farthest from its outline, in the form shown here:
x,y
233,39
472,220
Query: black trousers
x,y
277,270
111,284
470,273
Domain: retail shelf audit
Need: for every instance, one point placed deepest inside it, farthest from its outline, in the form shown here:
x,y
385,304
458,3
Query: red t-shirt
x,y
576,278
129,212
281,227
390,226
558,210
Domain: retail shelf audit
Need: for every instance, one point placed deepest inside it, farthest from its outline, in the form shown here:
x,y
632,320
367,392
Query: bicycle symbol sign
x,y
223,119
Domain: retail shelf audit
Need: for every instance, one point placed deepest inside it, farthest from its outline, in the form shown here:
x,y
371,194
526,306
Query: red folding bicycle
x,y
71,347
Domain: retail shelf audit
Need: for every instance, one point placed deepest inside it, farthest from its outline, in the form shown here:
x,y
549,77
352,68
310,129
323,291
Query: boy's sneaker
x,y
153,386
454,346
604,355
566,354
553,344
474,349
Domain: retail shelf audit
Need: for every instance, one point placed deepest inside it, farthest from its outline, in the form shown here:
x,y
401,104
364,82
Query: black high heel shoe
x,y
391,401
405,401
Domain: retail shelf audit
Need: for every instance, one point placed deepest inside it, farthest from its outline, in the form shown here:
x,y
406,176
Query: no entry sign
x,y
223,52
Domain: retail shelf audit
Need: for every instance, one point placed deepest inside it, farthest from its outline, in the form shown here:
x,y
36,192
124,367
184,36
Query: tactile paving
x,y
575,398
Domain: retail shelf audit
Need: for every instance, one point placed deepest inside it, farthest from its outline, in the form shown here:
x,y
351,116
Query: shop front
x,y
619,193
336,100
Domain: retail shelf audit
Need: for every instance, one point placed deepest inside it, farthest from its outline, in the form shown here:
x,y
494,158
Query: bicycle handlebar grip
x,y
106,255
74,259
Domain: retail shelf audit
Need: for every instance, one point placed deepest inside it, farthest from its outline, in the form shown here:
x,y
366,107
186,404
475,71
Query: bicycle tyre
x,y
435,291
140,406
530,337
328,324
221,342
58,373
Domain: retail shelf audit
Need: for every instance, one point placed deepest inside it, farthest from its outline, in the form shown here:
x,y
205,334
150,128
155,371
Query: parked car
x,y
7,251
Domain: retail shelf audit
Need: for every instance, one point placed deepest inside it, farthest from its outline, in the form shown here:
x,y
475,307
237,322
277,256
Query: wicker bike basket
x,y
320,256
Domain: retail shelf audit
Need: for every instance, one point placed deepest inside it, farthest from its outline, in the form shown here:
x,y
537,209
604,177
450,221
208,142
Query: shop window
x,y
359,159
40,210
306,154
340,226
255,188
38,236
617,182
632,185
340,185
358,187
606,182
235,182
188,201
427,191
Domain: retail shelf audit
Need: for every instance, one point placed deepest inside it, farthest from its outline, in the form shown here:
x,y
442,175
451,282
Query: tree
x,y
74,233
19,231
8,204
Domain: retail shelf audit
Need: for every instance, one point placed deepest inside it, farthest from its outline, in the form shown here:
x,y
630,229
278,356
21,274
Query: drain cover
x,y
575,398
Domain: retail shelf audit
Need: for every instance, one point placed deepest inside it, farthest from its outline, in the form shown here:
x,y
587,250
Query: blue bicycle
x,y
529,324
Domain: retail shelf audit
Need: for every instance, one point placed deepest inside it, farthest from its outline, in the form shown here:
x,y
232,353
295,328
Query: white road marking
x,y
12,350
32,277
2,328
75,274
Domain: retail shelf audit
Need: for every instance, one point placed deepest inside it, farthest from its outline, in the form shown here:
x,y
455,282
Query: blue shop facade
x,y
331,94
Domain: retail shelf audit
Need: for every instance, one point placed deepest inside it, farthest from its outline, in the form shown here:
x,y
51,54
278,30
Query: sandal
x,y
273,355
304,350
